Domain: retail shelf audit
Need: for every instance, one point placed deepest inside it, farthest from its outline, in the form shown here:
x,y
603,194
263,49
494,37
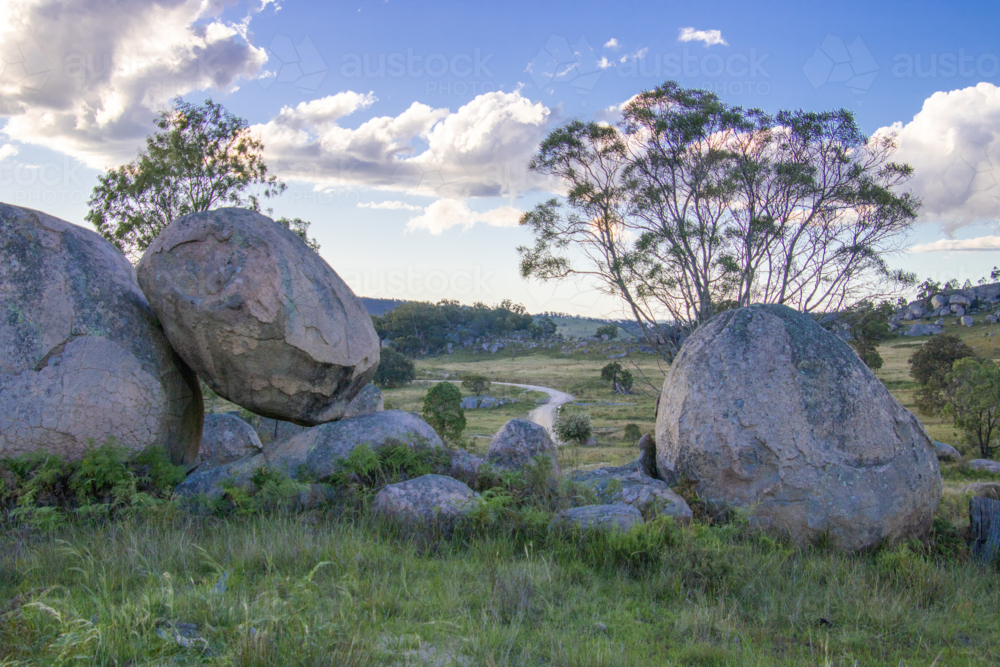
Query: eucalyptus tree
x,y
688,206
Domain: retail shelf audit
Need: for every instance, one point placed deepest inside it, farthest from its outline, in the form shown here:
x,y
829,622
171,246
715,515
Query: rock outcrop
x,y
517,443
984,465
601,517
431,500
765,409
81,354
630,485
264,321
946,452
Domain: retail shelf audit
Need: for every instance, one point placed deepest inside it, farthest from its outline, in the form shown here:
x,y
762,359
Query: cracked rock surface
x,y
764,409
260,316
81,354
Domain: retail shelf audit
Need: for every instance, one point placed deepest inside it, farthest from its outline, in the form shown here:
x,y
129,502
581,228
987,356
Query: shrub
x,y
443,410
574,426
929,366
477,384
972,398
394,369
609,330
632,433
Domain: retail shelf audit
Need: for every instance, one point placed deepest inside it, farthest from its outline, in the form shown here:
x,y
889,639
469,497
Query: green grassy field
x,y
159,586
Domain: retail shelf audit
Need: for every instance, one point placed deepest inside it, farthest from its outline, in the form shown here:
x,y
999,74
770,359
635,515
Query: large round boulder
x,y
766,410
82,357
259,315
517,443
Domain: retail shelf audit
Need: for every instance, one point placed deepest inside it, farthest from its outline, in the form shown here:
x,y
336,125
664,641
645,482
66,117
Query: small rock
x,y
983,489
608,517
946,452
958,300
470,403
920,329
630,485
601,627
489,402
368,401
939,300
431,499
984,465
966,321
517,443
226,438
957,311
465,466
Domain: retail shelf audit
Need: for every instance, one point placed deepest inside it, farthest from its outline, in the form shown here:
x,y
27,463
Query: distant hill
x,y
379,306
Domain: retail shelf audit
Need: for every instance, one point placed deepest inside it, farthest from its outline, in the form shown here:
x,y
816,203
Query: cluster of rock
x,y
961,304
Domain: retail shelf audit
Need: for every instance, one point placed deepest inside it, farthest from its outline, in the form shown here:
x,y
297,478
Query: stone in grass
x,y
465,466
984,465
226,438
618,516
517,443
946,452
983,490
630,485
428,500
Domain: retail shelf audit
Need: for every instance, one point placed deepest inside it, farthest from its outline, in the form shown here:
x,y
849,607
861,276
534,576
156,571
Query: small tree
x,y
620,378
547,326
930,365
574,426
394,369
973,400
477,384
443,411
632,433
869,327
609,330
204,157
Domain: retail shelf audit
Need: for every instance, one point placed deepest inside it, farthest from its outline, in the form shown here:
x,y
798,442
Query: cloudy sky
x,y
404,129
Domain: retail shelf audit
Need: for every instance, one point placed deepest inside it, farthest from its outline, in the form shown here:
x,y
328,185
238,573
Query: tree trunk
x,y
984,517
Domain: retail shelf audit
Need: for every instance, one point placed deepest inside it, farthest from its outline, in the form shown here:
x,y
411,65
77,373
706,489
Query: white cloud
x,y
447,213
612,44
8,150
953,144
390,205
604,63
638,55
709,37
983,243
87,77
481,150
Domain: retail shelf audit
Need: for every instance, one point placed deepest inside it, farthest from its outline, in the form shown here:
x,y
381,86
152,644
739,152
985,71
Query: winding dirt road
x,y
544,415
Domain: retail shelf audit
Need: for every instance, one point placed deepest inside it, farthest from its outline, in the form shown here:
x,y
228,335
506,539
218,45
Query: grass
x,y
156,585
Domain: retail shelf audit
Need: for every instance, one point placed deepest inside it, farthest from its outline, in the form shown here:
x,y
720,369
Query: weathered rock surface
x,y
983,490
630,485
488,402
259,316
210,480
946,452
938,301
607,517
226,438
465,466
427,500
765,409
318,450
985,465
647,454
517,443
923,330
470,403
369,400
81,353
966,321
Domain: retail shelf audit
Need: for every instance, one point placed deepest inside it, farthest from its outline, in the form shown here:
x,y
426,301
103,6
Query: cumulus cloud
x,y
983,243
8,150
480,150
390,205
709,37
604,63
87,77
638,55
611,44
447,213
953,144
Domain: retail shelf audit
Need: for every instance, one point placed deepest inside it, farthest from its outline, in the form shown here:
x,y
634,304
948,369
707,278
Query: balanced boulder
x,y
259,315
82,356
517,443
767,410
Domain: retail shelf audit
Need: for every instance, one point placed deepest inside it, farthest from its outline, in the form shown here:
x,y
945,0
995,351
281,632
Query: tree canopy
x,y
443,411
973,401
394,369
689,204
203,157
424,328
930,366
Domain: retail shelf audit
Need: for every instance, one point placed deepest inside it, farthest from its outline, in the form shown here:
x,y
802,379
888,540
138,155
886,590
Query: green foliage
x,y
392,462
546,327
394,369
477,384
620,378
609,330
443,411
423,328
203,157
632,433
930,365
301,229
573,426
973,399
869,328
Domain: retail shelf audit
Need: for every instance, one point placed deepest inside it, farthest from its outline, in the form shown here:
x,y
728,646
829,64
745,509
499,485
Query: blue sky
x,y
404,129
